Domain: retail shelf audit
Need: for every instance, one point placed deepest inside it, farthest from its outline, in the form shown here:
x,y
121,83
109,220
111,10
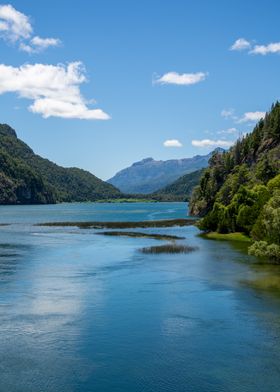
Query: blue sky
x,y
102,84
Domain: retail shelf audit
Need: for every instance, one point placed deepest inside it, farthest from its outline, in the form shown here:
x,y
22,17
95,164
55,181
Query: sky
x,y
102,84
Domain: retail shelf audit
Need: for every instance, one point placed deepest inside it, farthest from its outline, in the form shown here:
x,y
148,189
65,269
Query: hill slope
x,y
27,178
149,175
240,191
181,189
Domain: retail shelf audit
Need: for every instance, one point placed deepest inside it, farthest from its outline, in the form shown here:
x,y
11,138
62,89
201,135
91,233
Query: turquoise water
x,y
83,312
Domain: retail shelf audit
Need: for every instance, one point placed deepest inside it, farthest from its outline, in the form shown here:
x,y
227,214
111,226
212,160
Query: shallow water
x,y
84,312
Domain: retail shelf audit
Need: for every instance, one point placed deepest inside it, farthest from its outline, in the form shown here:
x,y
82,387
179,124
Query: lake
x,y
83,312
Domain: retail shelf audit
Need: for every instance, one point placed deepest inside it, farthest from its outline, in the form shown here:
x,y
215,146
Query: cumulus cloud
x,y
247,117
13,24
16,27
38,44
251,116
266,49
184,79
54,89
172,143
211,143
241,44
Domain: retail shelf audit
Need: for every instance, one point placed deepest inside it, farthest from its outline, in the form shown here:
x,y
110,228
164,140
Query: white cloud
x,y
266,49
251,116
227,113
172,143
184,79
44,42
54,89
228,131
241,44
211,143
38,44
13,24
16,27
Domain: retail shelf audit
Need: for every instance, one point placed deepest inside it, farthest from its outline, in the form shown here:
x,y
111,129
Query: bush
x,y
263,249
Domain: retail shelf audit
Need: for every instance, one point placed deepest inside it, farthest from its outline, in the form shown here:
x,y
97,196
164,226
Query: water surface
x,y
82,312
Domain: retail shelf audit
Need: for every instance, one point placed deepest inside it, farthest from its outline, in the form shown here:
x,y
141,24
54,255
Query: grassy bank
x,y
241,237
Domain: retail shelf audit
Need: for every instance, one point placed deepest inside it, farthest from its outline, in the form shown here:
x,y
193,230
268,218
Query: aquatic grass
x,y
271,283
168,248
134,234
123,225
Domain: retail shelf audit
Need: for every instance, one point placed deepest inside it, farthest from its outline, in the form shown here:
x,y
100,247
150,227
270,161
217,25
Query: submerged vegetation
x,y
123,225
240,191
168,248
135,234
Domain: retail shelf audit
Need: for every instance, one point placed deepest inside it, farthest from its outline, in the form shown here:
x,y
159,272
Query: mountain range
x,y
27,178
149,175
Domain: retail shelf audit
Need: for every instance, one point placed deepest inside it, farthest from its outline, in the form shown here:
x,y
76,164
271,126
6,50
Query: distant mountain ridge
x,y
27,178
148,175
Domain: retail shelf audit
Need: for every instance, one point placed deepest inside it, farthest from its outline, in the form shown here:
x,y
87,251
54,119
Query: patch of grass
x,y
240,237
168,248
123,225
135,234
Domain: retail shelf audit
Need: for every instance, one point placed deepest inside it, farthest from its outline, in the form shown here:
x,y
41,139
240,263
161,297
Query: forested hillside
x,y
26,178
181,189
240,191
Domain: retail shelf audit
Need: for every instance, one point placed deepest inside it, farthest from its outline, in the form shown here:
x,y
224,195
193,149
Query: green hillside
x,y
181,189
240,191
27,178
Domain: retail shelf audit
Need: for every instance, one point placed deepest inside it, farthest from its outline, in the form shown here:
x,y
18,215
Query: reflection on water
x,y
83,312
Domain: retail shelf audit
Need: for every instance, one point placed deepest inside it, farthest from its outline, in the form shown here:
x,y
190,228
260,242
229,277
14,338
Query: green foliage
x,y
274,184
267,226
264,249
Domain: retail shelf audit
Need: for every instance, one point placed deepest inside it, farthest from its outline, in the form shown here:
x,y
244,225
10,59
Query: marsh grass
x,y
134,234
168,248
123,225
